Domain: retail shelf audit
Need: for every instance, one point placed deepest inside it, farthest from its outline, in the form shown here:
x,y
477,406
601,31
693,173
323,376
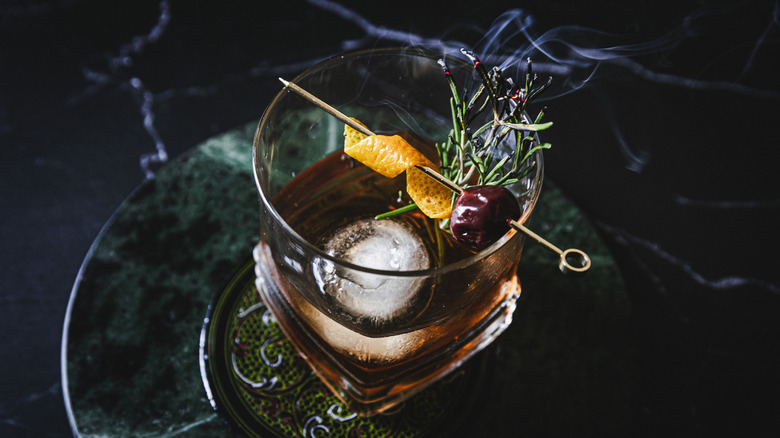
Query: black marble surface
x,y
665,117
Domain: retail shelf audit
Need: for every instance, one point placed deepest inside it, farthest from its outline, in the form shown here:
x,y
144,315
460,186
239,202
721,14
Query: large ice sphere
x,y
386,245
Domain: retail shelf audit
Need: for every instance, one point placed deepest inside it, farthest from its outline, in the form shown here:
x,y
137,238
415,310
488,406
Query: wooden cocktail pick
x,y
582,259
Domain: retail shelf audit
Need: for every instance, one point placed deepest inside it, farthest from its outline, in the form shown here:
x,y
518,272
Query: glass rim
x,y
317,252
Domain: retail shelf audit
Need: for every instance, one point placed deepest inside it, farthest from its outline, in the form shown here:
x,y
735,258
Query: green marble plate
x,y
180,246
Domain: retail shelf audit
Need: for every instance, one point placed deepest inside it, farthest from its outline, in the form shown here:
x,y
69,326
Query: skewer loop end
x,y
581,258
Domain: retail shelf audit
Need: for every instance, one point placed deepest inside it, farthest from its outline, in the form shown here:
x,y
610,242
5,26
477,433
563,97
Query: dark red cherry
x,y
481,215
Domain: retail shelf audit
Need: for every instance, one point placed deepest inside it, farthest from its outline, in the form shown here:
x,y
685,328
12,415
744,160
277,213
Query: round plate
x,y
131,343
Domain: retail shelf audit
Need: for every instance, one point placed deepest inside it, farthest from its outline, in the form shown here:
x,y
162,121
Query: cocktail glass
x,y
375,307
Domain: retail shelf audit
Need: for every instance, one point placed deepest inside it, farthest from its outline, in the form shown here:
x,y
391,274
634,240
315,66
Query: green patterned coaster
x,y
256,380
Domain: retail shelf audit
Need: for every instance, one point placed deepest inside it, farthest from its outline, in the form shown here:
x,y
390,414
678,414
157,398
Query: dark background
x,y
666,116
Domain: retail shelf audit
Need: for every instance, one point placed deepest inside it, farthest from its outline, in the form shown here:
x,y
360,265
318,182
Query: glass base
x,y
258,382
400,365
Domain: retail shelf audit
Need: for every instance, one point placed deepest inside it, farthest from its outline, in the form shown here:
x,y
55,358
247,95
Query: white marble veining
x,y
575,53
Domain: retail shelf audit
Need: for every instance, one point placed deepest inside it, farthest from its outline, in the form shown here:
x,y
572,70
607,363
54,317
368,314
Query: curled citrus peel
x,y
392,155
433,199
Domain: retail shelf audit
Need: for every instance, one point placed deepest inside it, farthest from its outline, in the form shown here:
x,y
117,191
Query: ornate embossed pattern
x,y
261,385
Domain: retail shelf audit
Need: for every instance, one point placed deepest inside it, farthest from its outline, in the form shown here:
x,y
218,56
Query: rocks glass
x,y
373,306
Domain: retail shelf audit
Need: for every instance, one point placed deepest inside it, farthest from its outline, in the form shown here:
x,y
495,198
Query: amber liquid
x,y
437,330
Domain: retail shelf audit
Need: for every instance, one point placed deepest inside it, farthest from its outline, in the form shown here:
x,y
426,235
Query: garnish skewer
x,y
563,264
